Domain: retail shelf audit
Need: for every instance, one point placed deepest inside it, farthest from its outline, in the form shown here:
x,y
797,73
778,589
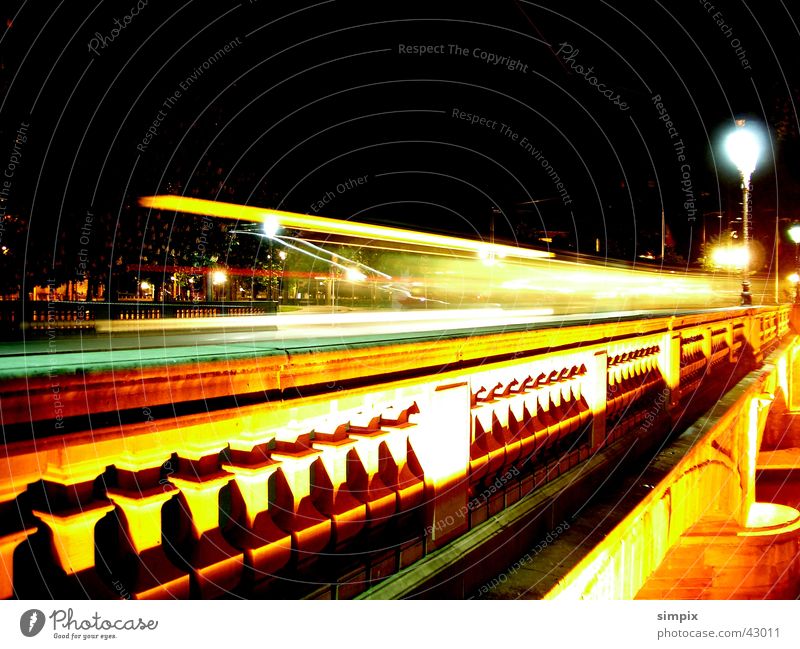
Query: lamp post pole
x,y
747,297
743,147
777,264
797,272
794,235
271,226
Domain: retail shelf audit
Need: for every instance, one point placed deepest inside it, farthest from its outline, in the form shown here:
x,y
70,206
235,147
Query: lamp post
x,y
271,226
281,281
144,287
271,269
218,278
794,235
742,146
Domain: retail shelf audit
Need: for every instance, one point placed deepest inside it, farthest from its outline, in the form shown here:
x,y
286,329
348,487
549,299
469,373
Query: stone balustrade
x,y
707,501
244,499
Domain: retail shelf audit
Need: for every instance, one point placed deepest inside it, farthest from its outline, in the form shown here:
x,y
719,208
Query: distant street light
x,y
354,275
743,147
794,235
218,278
730,256
145,288
271,225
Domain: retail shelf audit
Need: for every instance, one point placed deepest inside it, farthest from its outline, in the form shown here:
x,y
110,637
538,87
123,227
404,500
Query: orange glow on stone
x,y
202,498
8,544
142,514
73,535
252,482
766,518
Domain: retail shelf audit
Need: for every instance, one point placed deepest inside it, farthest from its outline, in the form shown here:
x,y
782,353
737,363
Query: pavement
x,y
136,344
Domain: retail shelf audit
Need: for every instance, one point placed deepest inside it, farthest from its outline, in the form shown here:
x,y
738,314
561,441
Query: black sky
x,y
311,94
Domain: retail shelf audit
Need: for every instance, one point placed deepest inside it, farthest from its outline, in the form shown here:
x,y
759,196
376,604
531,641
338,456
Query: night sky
x,y
584,118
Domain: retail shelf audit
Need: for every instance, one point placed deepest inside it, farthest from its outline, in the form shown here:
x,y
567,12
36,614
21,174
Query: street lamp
x,y
743,147
144,287
730,256
354,275
794,235
271,226
218,278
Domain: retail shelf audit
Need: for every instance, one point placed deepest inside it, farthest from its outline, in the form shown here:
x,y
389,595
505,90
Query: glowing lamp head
x,y
271,225
487,256
355,275
145,286
743,148
218,277
794,233
794,278
730,256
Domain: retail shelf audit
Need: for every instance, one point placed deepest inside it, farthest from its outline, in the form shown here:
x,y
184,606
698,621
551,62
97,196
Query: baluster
x,y
215,564
399,476
310,530
487,451
380,500
333,494
519,422
10,540
72,516
140,496
267,548
500,422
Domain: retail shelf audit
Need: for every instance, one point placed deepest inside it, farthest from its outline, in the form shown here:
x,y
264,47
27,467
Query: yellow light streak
x,y
462,318
331,226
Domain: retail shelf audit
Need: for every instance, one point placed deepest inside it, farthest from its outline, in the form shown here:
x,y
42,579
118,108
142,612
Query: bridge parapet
x,y
199,504
712,486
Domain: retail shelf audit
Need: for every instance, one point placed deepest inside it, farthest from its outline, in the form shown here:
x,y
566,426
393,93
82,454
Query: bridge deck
x,y
233,339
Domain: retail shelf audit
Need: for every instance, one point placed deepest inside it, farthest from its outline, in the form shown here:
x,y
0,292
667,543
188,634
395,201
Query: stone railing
x,y
715,479
43,315
347,485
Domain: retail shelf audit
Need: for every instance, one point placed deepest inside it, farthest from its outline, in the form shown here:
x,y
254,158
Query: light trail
x,y
421,271
370,322
332,226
